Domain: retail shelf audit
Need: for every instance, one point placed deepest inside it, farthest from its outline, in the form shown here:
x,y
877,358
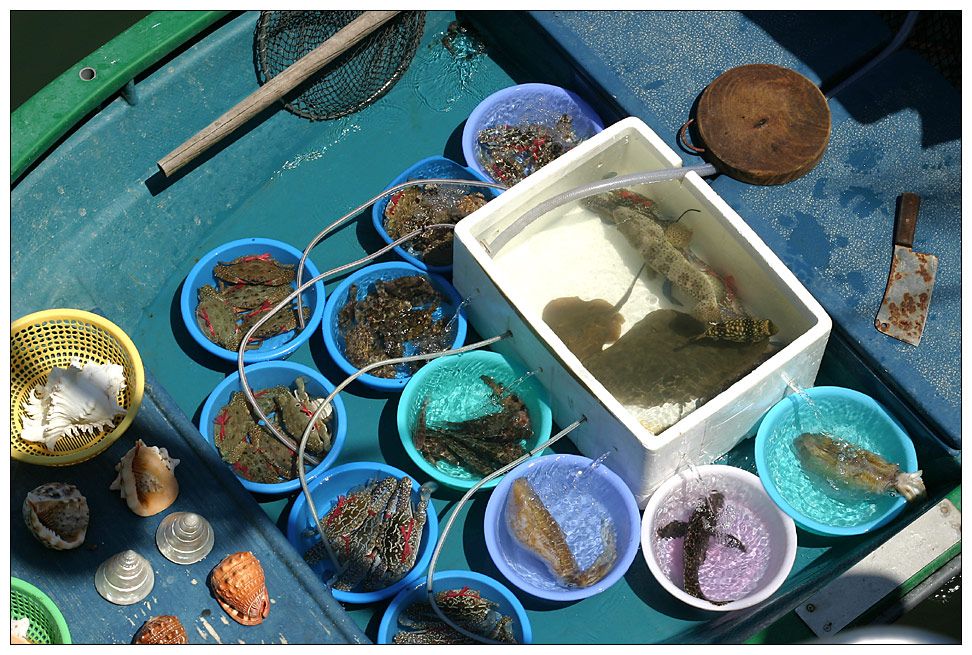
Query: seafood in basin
x,y
255,269
164,629
480,444
466,608
512,152
57,515
535,529
239,586
248,447
417,207
397,315
374,532
125,578
216,319
146,479
256,284
852,468
81,399
702,526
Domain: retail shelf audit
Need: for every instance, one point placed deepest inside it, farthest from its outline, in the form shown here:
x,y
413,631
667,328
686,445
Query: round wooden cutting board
x,y
763,124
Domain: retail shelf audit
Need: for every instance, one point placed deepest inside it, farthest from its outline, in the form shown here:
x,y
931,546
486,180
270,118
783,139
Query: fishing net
x,y
351,82
936,36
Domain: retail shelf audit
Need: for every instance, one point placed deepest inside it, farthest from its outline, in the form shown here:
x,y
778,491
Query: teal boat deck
x,y
94,225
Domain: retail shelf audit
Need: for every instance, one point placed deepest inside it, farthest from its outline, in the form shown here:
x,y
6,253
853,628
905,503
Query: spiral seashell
x,y
184,537
124,578
165,629
146,479
239,587
57,514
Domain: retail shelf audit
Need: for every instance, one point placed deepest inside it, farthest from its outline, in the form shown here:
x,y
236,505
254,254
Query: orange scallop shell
x,y
240,589
165,629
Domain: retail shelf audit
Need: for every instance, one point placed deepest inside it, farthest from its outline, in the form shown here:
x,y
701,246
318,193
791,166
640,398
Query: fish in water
x,y
702,526
854,468
536,530
586,326
745,329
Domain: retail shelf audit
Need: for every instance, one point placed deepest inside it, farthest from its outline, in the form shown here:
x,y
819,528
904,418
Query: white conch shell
x,y
18,631
146,479
57,514
76,400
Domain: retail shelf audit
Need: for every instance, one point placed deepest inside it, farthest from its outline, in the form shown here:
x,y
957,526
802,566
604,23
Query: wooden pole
x,y
274,89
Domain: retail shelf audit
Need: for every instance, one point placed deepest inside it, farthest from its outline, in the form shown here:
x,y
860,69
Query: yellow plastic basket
x,y
44,340
47,624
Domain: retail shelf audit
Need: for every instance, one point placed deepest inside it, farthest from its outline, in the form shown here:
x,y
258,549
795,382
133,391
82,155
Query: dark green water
x,y
44,44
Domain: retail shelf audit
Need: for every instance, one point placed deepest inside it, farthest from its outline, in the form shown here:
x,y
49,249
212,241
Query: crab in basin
x,y
374,532
400,534
297,408
216,319
242,297
466,608
255,269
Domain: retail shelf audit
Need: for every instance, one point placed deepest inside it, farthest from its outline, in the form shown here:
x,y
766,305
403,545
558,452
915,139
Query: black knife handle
x,y
905,219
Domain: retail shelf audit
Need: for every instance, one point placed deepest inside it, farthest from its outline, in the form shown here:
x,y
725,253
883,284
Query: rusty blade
x,y
906,299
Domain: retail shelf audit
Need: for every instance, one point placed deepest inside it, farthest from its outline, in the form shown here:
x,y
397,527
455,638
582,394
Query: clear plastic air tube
x,y
592,189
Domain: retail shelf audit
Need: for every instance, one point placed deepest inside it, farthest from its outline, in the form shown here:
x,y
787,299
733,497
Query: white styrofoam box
x,y
564,253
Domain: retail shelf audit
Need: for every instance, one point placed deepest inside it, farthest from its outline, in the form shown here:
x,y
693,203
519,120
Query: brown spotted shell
x,y
165,629
240,589
57,514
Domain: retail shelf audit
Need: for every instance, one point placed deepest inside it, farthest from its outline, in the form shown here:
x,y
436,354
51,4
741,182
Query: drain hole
x,y
87,73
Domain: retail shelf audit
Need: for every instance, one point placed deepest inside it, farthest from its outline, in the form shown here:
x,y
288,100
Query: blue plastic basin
x,y
270,374
428,168
847,414
278,347
364,279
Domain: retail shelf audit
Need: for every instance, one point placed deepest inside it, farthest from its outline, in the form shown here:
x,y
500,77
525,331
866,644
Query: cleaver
x,y
905,306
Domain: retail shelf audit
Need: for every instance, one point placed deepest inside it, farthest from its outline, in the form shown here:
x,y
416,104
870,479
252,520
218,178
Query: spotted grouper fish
x,y
536,529
744,329
854,468
702,526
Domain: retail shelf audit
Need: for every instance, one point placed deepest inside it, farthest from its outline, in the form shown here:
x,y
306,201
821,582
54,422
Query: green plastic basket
x,y
47,624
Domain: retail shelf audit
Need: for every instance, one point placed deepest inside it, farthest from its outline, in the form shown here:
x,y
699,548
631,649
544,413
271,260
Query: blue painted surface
x,y
206,487
896,129
94,226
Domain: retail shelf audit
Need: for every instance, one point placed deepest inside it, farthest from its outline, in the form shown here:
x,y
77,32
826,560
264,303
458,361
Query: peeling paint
x,y
210,630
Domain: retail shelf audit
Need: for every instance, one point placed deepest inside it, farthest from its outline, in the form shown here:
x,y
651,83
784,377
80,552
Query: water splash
x,y
340,135
805,397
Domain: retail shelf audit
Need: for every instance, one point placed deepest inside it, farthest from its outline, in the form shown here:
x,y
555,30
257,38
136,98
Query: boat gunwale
x,y
51,113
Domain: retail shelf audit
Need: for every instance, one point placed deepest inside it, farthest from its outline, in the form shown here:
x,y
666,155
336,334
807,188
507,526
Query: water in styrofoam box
x,y
584,256
574,253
